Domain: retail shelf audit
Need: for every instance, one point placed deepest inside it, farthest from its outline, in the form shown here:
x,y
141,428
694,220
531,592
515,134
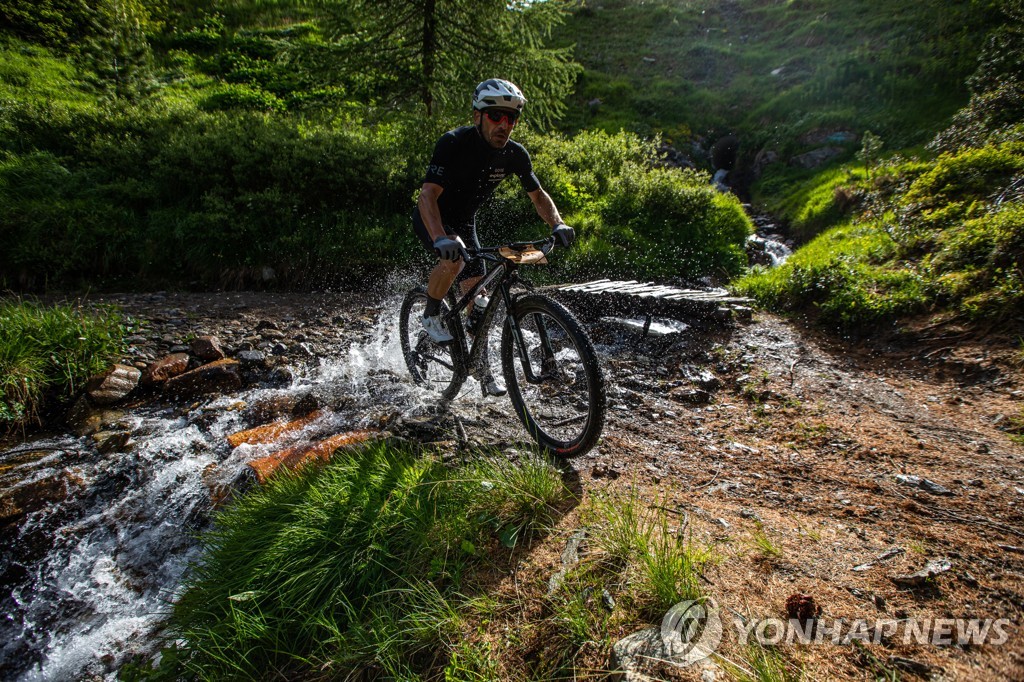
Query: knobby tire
x,y
569,340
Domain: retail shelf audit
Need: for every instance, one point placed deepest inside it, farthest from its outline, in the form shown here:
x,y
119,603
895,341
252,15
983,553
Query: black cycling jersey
x,y
469,170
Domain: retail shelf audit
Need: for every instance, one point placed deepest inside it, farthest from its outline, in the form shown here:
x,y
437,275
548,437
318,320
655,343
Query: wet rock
x,y
252,359
215,377
207,348
163,369
924,484
932,569
693,396
113,385
108,442
270,408
26,498
308,404
85,419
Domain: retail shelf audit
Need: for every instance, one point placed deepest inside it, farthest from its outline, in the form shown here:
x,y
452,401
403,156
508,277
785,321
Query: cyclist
x,y
467,165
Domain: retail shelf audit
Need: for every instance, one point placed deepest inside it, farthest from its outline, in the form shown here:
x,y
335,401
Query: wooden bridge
x,y
630,298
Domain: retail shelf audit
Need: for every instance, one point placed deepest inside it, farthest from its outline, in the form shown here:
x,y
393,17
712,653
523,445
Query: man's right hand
x,y
449,247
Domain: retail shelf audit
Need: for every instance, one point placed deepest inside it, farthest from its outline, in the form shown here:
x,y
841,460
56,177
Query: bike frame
x,y
502,277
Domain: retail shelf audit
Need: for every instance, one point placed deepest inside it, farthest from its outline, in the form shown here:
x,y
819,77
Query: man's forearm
x,y
431,214
546,209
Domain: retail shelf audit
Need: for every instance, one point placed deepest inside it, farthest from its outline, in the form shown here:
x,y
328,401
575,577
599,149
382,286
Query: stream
x,y
89,578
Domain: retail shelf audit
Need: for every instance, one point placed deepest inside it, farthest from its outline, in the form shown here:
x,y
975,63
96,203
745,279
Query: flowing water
x,y
92,575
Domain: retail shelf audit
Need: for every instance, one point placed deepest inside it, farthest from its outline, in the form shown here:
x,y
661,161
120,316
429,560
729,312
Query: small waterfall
x,y
766,246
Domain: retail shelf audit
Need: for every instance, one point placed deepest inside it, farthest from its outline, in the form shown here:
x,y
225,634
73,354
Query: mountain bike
x,y
554,379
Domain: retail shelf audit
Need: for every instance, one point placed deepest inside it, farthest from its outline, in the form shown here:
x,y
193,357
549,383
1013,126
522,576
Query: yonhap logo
x,y
691,631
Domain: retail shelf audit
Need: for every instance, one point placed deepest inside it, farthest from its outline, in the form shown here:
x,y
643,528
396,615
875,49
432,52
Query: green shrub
x,y
673,223
241,96
359,562
968,175
49,352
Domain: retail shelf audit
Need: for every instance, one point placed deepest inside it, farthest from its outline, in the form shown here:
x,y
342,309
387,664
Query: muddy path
x,y
836,453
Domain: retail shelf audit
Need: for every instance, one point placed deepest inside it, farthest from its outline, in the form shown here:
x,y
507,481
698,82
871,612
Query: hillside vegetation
x,y
942,235
778,73
268,146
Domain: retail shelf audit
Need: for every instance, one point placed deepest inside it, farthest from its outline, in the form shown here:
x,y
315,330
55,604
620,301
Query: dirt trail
x,y
804,444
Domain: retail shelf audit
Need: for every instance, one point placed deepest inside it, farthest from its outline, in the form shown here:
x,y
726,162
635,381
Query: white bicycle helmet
x,y
498,93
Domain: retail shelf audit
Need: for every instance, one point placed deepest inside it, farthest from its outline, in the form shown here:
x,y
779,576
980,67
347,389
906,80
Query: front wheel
x,y
553,376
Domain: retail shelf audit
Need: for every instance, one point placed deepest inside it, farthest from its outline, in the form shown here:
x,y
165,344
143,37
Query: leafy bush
x,y
50,352
673,223
942,235
241,96
633,219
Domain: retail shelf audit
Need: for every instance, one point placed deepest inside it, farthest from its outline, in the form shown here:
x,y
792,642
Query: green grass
x,y
764,545
708,66
944,236
47,352
365,563
763,664
638,536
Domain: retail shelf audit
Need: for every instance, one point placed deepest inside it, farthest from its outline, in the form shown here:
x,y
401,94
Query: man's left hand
x,y
563,234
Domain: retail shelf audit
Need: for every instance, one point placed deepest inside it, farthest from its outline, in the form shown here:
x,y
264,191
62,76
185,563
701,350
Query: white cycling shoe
x,y
435,330
492,386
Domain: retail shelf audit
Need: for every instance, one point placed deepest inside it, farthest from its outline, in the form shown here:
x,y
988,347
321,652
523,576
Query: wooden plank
x,y
595,288
630,288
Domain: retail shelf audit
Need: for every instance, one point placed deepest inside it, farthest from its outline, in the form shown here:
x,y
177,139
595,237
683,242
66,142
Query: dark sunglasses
x,y
496,116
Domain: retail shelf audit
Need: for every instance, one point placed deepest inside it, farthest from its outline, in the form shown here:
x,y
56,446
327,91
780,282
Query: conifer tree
x,y
434,51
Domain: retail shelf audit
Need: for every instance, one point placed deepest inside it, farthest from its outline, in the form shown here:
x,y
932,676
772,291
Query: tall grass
x,y
360,564
638,537
49,351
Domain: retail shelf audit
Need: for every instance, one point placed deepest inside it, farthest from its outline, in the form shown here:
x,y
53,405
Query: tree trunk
x,y
429,52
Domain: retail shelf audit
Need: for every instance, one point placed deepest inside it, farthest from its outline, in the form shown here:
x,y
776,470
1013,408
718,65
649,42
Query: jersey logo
x,y
436,170
497,175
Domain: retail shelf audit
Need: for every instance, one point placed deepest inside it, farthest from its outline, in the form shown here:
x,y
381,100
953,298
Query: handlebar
x,y
545,245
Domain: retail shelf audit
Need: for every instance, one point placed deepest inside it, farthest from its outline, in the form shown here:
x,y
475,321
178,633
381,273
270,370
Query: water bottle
x,y
479,304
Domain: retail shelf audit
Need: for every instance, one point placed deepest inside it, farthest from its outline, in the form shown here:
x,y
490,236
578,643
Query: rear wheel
x,y
439,369
555,382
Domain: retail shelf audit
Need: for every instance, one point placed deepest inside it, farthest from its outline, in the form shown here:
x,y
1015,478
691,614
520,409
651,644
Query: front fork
x,y
548,368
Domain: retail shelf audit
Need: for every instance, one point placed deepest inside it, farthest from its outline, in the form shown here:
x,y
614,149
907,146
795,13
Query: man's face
x,y
496,132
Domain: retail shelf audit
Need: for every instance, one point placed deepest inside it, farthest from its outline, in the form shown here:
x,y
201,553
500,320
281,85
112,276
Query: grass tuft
x,y
50,352
358,565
